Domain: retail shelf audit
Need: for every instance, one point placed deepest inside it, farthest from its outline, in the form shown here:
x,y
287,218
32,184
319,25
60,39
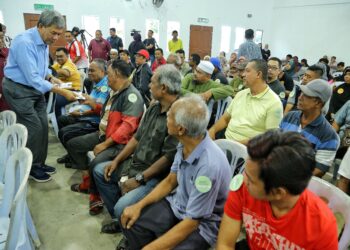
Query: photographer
x,y
135,45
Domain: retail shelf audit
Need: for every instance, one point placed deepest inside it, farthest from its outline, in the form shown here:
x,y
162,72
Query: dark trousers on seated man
x,y
154,221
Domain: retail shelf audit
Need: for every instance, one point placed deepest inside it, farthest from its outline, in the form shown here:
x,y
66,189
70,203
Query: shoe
x,y
95,204
82,187
111,228
123,244
48,169
38,175
63,159
68,165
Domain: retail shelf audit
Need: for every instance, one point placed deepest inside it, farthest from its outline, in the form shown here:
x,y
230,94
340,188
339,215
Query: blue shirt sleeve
x,y
340,116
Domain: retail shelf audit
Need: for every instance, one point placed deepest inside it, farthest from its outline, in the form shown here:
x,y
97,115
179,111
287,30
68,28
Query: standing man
x,y
150,44
175,43
249,49
115,41
99,47
76,52
27,79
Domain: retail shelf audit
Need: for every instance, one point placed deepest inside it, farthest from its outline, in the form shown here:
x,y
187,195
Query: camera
x,y
76,31
133,32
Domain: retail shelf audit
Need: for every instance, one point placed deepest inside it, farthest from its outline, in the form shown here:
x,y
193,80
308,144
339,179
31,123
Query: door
x,y
200,40
31,20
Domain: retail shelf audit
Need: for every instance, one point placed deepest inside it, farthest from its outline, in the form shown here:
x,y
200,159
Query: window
x,y
258,36
239,36
1,18
119,25
225,38
153,24
171,26
90,24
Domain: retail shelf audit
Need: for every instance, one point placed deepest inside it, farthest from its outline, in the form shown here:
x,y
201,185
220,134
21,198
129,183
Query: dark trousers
x,y
30,107
79,146
71,127
155,220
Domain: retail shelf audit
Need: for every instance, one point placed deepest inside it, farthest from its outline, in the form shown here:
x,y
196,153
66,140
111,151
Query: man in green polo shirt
x,y
253,110
200,82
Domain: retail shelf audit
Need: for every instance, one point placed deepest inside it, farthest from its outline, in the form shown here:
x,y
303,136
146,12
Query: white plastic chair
x,y
338,202
7,118
236,154
14,234
50,110
222,106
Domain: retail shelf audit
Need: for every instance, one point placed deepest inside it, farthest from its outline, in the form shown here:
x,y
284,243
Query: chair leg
x,y
31,228
52,118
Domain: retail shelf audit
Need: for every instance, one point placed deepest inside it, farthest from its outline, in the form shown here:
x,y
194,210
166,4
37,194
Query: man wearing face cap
x,y
217,75
310,122
200,82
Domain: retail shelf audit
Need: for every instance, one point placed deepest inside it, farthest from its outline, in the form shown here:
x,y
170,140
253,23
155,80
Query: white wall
x,y
311,29
228,12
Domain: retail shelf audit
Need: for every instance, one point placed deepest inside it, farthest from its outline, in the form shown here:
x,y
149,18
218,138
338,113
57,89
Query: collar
x,y
315,123
197,152
37,38
102,81
260,95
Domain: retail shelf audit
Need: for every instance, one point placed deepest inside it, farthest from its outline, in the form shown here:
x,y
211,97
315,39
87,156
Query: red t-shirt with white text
x,y
309,225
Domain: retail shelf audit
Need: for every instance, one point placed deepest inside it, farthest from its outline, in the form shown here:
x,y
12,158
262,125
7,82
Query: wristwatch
x,y
140,178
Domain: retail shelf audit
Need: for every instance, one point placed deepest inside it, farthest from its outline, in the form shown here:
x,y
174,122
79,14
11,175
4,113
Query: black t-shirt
x,y
340,96
219,76
149,41
287,82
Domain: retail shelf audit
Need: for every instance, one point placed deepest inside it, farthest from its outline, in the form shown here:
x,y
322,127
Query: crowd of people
x,y
141,136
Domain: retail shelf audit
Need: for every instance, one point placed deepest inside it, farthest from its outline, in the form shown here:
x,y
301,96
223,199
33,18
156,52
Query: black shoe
x,y
68,165
63,159
48,169
111,228
123,244
38,175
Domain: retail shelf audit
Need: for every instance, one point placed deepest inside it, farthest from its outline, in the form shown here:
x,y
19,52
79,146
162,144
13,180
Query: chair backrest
x,y
236,154
338,202
17,173
7,118
82,78
12,139
222,106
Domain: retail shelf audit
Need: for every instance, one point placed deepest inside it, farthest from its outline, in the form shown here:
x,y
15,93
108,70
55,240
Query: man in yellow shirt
x,y
175,43
253,110
67,71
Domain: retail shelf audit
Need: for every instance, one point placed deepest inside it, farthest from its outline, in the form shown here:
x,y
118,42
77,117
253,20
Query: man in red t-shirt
x,y
272,202
99,47
159,59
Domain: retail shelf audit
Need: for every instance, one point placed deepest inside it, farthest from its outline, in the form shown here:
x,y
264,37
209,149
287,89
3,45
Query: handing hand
x,y
130,215
69,95
75,113
89,101
129,185
55,80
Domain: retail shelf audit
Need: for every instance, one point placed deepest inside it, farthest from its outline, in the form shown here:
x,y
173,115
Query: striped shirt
x,y
319,133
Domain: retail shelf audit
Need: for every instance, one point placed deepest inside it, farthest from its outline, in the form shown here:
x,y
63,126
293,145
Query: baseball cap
x,y
216,62
317,88
144,53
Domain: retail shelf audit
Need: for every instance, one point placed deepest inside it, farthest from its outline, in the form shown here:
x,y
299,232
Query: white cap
x,y
206,66
114,50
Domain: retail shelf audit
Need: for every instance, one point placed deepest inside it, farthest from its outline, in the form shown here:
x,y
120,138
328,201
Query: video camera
x,y
133,32
76,31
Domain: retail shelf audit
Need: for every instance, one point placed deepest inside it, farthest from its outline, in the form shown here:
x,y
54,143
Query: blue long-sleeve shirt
x,y
28,61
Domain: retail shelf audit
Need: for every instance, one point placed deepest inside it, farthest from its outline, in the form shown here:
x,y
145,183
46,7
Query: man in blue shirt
x,y
189,217
311,123
249,49
27,79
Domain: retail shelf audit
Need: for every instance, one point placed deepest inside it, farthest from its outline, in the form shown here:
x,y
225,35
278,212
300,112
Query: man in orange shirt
x,y
272,202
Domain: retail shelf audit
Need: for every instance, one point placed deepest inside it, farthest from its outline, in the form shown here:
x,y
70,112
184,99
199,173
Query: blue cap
x,y
216,62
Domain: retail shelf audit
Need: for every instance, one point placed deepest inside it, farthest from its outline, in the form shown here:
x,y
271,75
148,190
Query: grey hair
x,y
192,114
52,18
178,58
101,64
169,76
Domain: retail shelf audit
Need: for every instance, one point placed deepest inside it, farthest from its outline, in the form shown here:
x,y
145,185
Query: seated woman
x,y
341,94
67,72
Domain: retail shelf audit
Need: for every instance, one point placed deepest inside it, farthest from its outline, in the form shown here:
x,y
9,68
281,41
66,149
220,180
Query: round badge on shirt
x,y
282,95
240,87
236,182
132,97
203,184
104,89
340,91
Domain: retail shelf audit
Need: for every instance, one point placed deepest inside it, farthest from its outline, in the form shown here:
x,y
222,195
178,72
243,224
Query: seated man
x,y
253,110
201,83
67,71
113,55
274,66
272,203
184,210
311,123
344,172
159,59
217,75
125,56
174,59
142,75
120,118
237,83
184,66
147,157
193,61
82,119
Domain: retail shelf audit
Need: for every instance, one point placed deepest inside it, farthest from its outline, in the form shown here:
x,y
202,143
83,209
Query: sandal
x,y
78,189
95,207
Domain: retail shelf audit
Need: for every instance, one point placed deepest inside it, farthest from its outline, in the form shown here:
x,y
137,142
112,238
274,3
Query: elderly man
x,y
99,47
82,119
142,75
148,155
76,51
253,110
66,72
27,79
174,59
311,123
188,218
313,72
272,201
201,83
120,117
